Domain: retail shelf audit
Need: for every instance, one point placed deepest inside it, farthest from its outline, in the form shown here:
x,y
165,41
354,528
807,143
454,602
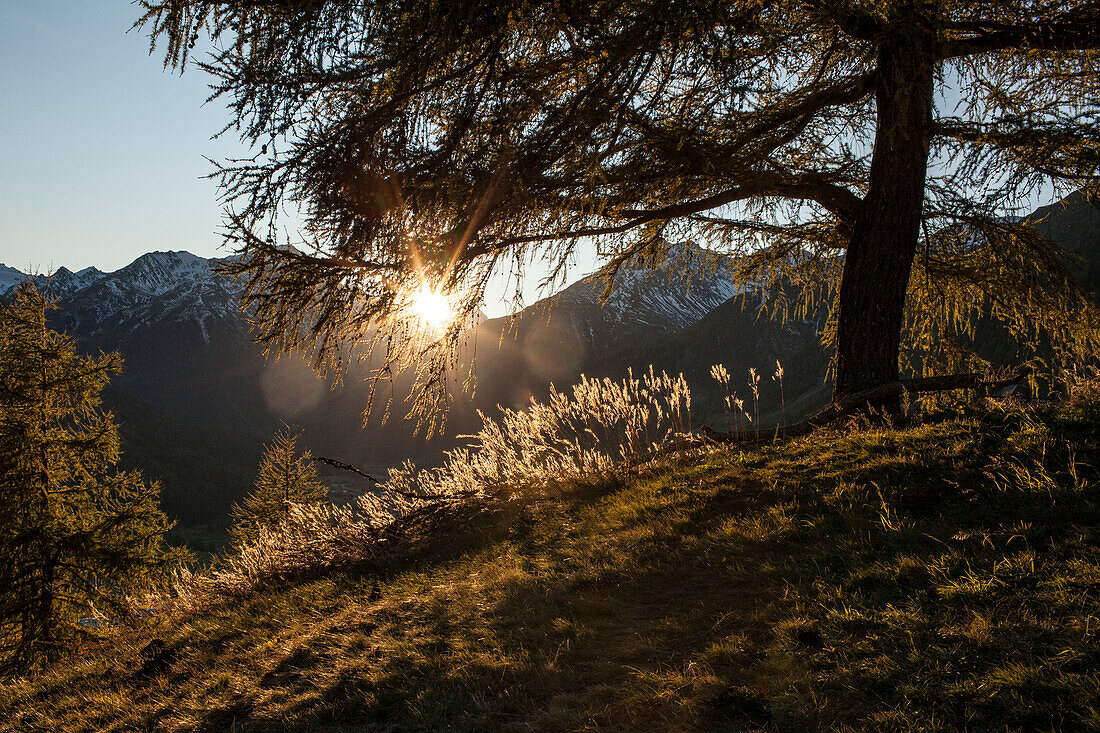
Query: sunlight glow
x,y
433,308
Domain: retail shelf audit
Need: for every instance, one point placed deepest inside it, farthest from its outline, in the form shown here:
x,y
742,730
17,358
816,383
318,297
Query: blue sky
x,y
103,154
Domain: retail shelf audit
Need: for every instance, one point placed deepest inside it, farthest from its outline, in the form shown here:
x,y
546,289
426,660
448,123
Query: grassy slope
x,y
874,580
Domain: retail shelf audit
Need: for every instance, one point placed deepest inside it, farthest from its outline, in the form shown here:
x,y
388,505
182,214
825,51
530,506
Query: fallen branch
x,y
346,467
685,443
847,405
432,498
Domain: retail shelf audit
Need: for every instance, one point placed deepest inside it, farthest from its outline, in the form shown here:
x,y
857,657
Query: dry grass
x,y
582,436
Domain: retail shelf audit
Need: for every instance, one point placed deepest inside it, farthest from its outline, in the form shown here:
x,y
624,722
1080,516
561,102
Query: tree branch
x,y
848,18
849,404
837,199
999,135
1073,30
352,469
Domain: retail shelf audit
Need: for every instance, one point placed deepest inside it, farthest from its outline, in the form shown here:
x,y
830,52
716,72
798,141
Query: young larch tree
x,y
78,538
874,152
285,478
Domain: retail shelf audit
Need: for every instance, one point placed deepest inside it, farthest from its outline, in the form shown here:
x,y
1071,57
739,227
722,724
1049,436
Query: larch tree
x,y
285,478
873,152
78,537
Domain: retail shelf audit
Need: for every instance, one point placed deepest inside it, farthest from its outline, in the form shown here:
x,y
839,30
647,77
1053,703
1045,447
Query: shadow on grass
x,y
885,584
885,580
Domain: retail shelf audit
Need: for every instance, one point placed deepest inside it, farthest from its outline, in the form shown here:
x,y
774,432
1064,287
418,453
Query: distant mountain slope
x,y
59,283
204,468
646,301
65,282
10,277
564,335
739,335
176,285
1074,222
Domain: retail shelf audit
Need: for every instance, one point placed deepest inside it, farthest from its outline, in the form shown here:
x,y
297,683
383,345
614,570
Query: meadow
x,y
941,575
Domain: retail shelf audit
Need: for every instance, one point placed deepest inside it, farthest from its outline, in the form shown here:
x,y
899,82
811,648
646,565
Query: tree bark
x,y
887,228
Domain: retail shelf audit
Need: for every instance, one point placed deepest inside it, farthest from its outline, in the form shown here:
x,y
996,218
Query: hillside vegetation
x,y
941,576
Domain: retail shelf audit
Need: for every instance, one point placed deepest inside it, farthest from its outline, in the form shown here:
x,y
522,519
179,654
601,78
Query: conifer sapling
x,y
285,478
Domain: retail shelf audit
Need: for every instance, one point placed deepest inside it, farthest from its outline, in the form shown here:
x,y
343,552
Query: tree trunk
x,y
45,621
886,231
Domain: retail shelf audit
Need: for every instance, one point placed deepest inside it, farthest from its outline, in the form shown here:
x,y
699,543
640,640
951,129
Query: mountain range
x,y
197,399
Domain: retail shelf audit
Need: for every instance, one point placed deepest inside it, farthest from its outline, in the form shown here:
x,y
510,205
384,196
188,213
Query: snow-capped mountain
x,y
151,274
157,273
158,287
59,283
161,287
647,299
66,282
10,277
658,297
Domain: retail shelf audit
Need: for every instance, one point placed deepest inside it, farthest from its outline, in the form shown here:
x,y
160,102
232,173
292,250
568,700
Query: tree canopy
x,y
873,151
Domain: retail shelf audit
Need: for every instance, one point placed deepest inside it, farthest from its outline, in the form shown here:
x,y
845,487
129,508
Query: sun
x,y
433,308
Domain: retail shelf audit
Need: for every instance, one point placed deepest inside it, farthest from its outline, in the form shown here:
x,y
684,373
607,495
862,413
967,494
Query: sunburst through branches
x,y
432,308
